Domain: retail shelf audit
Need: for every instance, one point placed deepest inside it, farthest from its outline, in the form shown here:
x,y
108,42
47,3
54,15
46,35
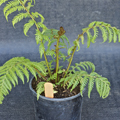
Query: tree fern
x,y
18,66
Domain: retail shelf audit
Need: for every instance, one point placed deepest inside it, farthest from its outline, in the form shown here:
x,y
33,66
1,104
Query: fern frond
x,y
83,78
90,84
64,38
70,50
10,5
114,34
44,28
28,25
82,39
38,36
104,33
95,34
40,88
102,86
76,43
89,36
29,5
86,65
108,32
36,15
3,1
83,83
41,49
19,17
18,66
50,52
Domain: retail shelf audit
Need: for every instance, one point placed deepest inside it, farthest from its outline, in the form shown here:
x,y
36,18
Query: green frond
x,y
76,83
19,17
38,36
64,38
41,25
103,87
99,23
29,5
11,4
83,83
40,88
118,33
110,33
104,33
36,15
13,75
76,43
63,45
70,50
82,39
92,24
17,67
50,52
24,70
90,85
62,55
71,80
114,34
89,37
52,77
41,49
10,11
3,1
95,34
86,65
28,25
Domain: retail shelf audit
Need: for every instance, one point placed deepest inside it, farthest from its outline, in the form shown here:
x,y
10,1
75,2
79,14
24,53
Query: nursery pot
x,y
57,108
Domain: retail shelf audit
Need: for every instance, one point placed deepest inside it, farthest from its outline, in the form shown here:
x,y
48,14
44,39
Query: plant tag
x,y
49,90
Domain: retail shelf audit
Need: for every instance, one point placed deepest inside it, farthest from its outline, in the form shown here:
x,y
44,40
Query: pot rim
x,y
51,99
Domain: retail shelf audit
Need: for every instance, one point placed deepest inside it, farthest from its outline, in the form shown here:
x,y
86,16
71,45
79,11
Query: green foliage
x,y
18,66
40,88
82,73
82,78
86,65
108,32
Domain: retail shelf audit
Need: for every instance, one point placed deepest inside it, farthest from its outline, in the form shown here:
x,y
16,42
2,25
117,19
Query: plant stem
x,y
40,74
71,58
47,64
39,30
57,57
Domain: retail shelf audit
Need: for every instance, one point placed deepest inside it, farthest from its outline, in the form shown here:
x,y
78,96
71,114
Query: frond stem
x,y
40,73
71,58
57,57
41,39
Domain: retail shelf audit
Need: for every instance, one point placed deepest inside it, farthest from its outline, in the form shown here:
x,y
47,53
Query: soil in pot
x,y
61,92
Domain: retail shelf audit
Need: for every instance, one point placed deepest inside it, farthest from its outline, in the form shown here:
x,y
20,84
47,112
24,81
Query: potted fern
x,y
72,80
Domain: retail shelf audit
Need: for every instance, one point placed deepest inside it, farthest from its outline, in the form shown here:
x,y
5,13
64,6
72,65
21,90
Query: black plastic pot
x,y
57,109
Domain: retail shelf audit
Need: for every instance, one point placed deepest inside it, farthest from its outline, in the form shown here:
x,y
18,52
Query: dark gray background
x,y
73,15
